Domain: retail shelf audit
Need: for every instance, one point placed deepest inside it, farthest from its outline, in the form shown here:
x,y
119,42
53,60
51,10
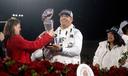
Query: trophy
x,y
48,24
46,18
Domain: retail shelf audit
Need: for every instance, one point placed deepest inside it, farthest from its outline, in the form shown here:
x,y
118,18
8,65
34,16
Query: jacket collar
x,y
71,26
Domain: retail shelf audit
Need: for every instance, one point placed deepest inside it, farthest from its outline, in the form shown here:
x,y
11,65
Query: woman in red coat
x,y
19,48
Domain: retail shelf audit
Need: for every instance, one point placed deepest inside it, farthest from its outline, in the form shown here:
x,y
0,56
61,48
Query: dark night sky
x,y
92,17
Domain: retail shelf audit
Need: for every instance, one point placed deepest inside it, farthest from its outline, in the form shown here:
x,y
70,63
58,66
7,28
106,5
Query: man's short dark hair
x,y
66,12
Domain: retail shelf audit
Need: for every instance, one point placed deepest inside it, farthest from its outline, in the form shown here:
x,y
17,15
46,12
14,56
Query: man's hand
x,y
97,66
54,48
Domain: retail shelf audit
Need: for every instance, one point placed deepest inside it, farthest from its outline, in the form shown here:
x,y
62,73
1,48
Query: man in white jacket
x,y
110,51
125,33
67,42
125,38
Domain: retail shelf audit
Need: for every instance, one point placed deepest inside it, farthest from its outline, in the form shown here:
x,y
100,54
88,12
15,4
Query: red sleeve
x,y
30,46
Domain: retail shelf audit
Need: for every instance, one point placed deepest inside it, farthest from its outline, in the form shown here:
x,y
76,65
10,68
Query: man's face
x,y
65,21
110,37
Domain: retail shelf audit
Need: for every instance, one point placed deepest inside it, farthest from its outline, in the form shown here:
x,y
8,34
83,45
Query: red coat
x,y
20,49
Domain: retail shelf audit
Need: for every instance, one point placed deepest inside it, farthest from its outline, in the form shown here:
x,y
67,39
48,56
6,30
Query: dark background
x,y
92,17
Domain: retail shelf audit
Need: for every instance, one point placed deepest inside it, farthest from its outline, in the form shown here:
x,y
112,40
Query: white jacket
x,y
71,41
107,58
125,38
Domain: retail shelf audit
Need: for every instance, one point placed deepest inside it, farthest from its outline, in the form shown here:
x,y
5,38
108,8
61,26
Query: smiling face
x,y
65,21
110,37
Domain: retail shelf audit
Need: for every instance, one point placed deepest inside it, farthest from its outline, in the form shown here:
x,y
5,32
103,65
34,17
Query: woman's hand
x,y
1,36
51,32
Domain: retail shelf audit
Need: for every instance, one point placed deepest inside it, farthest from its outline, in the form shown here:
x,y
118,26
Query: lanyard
x,y
59,39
